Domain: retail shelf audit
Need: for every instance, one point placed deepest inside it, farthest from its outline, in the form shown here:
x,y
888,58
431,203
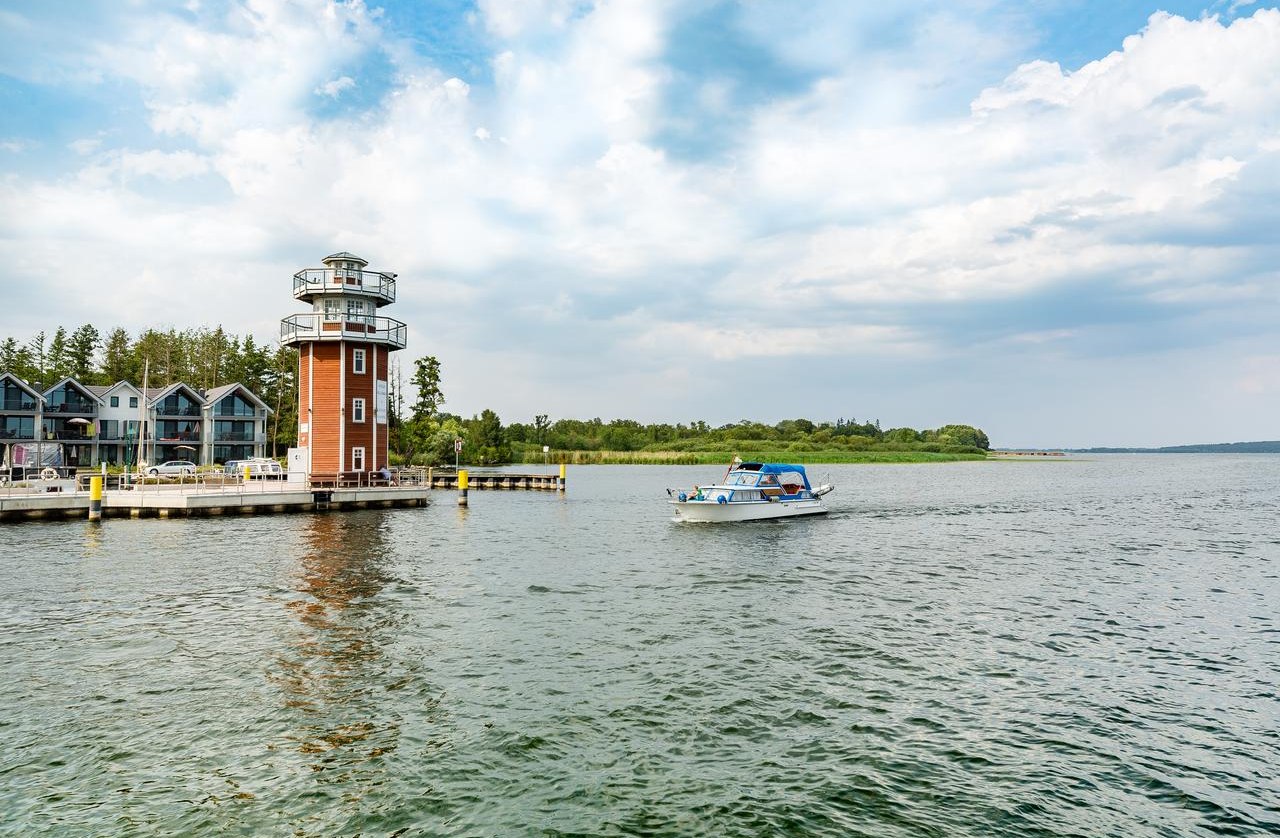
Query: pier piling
x,y
95,498
462,487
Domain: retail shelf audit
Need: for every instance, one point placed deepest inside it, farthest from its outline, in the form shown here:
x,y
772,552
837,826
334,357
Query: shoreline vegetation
x,y
427,436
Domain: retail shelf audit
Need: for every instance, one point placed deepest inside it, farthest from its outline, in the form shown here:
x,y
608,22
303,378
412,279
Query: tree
x,y
36,354
487,442
57,359
282,390
902,435
81,349
119,363
426,380
963,435
16,358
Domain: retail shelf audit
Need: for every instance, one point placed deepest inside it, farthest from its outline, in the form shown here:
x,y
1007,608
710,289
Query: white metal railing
x,y
208,483
324,280
304,327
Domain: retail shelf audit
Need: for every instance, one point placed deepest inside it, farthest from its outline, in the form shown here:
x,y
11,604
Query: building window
x,y
357,361
357,410
133,401
332,310
355,310
115,401
357,459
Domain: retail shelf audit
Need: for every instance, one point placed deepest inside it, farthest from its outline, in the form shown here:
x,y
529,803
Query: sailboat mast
x,y
142,412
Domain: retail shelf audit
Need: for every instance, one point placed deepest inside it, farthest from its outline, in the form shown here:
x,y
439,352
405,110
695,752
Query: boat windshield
x,y
743,478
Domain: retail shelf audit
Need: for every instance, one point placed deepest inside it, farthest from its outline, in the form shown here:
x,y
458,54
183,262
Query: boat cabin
x,y
772,480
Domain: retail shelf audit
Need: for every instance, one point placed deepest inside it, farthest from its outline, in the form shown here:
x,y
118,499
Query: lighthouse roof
x,y
344,256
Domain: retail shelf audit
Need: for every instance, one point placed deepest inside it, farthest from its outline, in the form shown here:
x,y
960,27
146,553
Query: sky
x,y
1053,219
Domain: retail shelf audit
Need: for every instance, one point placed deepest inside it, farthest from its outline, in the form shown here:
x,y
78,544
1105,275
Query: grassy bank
x,y
675,458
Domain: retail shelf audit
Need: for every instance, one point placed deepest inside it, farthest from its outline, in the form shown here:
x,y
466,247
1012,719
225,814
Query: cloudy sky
x,y
1054,219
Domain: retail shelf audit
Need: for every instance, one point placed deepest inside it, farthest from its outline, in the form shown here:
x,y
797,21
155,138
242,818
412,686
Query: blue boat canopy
x,y
775,468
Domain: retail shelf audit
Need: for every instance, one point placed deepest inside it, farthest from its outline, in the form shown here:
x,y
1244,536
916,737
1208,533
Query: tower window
x,y
357,410
357,361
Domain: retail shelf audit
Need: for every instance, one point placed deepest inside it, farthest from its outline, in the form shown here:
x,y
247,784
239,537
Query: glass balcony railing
x,y
18,405
75,406
233,436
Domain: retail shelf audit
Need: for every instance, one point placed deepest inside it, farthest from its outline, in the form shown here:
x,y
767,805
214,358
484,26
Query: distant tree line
x,y
426,434
202,358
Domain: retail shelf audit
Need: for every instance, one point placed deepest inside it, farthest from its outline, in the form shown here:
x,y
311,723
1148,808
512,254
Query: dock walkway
x,y
166,501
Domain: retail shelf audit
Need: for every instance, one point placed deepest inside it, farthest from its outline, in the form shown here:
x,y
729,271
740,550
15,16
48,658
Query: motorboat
x,y
751,492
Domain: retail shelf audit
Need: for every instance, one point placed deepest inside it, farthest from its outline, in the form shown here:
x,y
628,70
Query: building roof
x,y
217,394
104,391
83,388
154,395
24,385
345,256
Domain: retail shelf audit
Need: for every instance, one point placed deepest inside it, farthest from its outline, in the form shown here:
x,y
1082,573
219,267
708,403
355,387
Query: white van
x,y
260,468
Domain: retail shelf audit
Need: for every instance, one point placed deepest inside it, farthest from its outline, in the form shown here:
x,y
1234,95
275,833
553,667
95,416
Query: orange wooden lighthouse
x,y
343,351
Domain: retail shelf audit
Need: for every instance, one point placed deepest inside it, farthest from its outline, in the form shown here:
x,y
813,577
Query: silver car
x,y
179,467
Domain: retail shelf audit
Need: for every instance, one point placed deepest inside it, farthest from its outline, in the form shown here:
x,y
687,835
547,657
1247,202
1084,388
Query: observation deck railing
x,y
318,281
362,327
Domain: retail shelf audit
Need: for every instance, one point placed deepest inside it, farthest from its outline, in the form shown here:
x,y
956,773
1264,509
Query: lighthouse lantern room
x,y
343,349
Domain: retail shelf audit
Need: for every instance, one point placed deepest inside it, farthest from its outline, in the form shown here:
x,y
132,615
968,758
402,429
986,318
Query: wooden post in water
x,y
462,487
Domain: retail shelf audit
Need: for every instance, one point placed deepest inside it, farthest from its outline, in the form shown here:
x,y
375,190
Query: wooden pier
x,y
189,501
495,480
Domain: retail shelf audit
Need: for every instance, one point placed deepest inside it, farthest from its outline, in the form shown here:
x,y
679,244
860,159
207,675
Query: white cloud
x,y
513,18
840,208
333,89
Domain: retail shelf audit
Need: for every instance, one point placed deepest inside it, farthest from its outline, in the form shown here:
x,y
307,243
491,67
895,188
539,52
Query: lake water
x,y
1079,648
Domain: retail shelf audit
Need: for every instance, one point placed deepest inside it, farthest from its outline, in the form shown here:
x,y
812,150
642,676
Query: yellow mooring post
x,y
462,487
246,475
95,498
562,477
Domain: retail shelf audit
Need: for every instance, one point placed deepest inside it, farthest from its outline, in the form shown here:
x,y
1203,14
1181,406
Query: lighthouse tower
x,y
343,350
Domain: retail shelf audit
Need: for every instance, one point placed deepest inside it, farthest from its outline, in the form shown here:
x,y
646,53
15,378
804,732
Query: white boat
x,y
751,492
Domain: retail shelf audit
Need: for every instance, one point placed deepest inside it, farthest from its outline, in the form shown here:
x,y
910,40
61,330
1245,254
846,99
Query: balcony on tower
x,y
345,297
345,275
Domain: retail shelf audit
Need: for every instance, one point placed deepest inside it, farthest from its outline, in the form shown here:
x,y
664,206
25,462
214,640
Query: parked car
x,y
179,467
260,468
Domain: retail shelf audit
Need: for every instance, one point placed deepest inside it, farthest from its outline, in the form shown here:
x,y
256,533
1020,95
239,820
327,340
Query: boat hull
x,y
710,512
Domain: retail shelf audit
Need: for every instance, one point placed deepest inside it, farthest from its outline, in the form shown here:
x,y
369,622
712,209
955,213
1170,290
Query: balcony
x,y
234,436
301,328
68,435
167,410
17,434
74,406
18,405
319,282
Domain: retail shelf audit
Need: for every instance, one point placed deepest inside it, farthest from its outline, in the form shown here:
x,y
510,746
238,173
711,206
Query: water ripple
x,y
1006,649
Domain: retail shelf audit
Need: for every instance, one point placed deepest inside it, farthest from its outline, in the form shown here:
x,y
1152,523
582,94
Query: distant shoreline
x,y
1263,447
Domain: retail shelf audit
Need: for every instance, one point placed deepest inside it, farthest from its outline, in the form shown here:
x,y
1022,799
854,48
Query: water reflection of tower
x,y
343,354
336,672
